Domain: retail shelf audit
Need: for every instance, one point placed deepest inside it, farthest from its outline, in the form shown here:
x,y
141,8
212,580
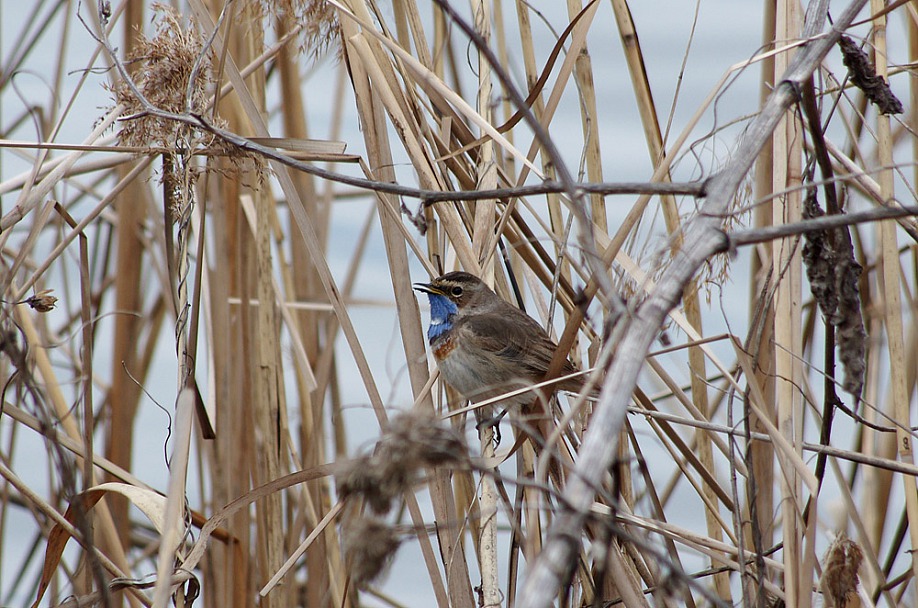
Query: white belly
x,y
479,377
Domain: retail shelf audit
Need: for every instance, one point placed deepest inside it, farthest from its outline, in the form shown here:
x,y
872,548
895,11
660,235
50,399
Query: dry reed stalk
x,y
760,483
786,265
527,49
324,558
131,209
892,296
271,430
483,213
232,573
583,72
913,86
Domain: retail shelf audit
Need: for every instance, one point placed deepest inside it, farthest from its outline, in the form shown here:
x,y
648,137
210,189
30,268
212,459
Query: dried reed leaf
x,y
150,503
309,146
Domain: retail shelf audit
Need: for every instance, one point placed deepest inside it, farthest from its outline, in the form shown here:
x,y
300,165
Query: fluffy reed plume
x,y
321,29
369,545
162,67
414,441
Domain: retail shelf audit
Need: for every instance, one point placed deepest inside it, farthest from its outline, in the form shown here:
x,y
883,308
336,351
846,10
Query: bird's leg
x,y
492,422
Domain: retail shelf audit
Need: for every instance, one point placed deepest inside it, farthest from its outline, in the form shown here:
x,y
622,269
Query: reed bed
x,y
217,387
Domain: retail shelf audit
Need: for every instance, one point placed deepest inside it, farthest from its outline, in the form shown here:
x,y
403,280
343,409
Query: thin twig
x,y
826,222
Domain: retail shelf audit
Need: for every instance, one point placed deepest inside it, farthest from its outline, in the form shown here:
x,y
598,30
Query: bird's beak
x,y
428,288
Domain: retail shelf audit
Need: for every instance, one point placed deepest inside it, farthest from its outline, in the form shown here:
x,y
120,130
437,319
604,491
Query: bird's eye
x,y
456,291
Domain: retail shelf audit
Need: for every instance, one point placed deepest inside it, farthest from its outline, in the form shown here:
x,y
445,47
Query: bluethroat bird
x,y
483,345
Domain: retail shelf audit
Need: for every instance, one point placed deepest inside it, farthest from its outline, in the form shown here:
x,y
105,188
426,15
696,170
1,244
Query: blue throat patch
x,y
442,311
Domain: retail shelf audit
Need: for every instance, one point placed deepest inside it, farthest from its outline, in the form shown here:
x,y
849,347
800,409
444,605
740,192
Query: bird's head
x,y
451,294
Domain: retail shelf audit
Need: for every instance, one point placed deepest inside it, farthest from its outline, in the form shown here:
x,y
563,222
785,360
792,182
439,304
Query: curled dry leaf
x,y
849,326
864,76
152,505
833,274
819,259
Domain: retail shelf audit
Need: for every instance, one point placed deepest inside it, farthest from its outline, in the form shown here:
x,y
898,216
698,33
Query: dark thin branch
x,y
695,189
574,190
826,222
432,196
427,196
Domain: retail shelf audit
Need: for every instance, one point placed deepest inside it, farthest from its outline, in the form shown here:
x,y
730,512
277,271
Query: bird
x,y
484,346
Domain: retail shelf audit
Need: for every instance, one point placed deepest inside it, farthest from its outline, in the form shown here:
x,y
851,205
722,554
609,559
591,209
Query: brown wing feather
x,y
516,336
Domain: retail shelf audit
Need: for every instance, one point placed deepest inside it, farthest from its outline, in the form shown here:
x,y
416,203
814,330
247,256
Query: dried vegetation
x,y
751,469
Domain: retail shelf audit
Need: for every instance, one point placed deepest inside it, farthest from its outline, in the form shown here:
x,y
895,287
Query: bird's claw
x,y
492,423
